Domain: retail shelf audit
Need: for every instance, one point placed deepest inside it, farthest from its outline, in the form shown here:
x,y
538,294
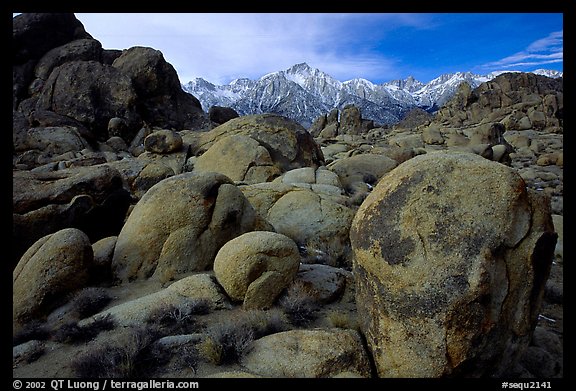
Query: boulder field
x,y
153,239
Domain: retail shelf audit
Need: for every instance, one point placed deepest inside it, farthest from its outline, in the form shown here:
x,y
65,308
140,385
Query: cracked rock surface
x,y
451,254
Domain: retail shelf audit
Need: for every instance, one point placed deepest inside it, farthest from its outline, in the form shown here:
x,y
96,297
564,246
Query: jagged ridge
x,y
302,93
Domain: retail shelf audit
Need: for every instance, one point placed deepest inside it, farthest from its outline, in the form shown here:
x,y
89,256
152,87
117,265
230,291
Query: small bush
x,y
199,306
299,304
342,320
230,342
227,342
132,356
178,319
34,330
106,362
90,301
71,332
264,322
188,357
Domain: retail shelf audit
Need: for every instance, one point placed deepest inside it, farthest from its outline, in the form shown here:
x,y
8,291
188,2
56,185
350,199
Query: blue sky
x,y
377,47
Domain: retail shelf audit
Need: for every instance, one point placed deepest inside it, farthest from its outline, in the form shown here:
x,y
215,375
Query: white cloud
x,y
547,50
221,47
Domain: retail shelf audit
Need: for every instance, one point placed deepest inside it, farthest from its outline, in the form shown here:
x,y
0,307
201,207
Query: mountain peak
x,y
303,93
303,66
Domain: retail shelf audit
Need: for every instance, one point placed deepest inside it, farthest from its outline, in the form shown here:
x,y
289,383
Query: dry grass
x,y
34,330
130,356
72,332
179,319
299,304
228,342
89,301
342,320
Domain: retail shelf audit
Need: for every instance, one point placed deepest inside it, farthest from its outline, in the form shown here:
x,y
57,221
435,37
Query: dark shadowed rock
x,y
91,93
162,102
220,114
90,198
451,256
34,34
79,50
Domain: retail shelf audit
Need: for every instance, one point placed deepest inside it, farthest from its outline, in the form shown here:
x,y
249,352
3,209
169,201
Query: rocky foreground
x,y
152,239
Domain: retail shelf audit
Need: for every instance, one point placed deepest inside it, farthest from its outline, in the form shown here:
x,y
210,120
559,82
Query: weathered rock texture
x,y
179,225
316,221
256,267
308,353
88,198
177,295
288,143
53,267
451,254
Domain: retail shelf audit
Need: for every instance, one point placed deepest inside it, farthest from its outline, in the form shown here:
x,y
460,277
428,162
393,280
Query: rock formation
x,y
152,239
451,255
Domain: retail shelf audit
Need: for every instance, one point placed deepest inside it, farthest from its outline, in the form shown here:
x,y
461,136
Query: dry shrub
x,y
127,357
179,319
72,332
34,330
342,320
300,304
228,341
89,301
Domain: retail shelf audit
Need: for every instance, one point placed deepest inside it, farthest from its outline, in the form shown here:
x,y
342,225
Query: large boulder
x,y
364,168
308,354
219,115
288,143
179,225
91,199
178,295
163,141
162,101
78,50
34,34
256,267
350,120
239,157
91,93
316,221
53,267
451,254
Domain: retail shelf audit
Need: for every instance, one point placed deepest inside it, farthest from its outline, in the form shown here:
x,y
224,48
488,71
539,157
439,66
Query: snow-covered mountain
x,y
303,93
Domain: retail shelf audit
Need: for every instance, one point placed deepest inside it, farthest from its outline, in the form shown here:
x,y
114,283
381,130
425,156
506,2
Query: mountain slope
x,y
303,93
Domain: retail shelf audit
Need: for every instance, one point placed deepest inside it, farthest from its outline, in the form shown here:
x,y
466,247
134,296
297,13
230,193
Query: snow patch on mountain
x,y
303,93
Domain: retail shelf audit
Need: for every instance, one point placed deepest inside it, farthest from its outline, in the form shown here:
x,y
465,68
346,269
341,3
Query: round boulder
x,y
163,141
451,254
239,157
288,143
364,168
319,223
179,225
308,354
53,266
256,267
